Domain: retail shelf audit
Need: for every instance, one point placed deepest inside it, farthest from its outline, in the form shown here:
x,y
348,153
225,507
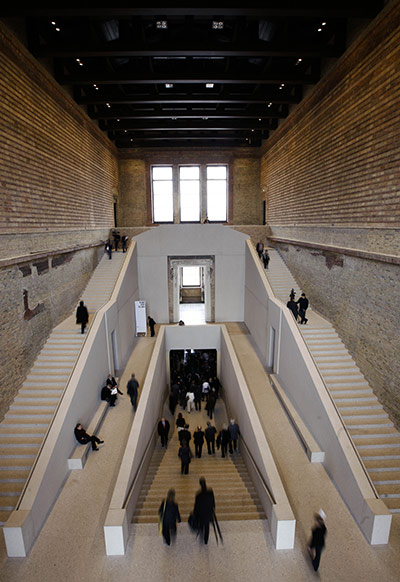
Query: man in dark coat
x,y
152,323
83,437
163,430
259,248
198,439
185,455
82,316
303,306
169,515
292,305
132,389
204,507
211,400
184,434
109,394
210,433
223,440
234,433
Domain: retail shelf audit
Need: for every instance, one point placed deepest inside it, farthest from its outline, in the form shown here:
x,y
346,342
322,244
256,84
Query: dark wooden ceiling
x,y
184,76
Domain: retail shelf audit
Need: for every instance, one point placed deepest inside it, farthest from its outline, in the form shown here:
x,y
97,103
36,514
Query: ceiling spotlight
x,y
161,24
217,24
259,119
108,105
210,85
169,85
269,104
320,30
118,120
323,24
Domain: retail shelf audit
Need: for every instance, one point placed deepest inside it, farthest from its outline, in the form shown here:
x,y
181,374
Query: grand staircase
x,y
376,438
235,495
27,420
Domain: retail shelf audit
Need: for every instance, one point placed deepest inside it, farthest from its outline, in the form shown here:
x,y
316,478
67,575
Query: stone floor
x,y
71,545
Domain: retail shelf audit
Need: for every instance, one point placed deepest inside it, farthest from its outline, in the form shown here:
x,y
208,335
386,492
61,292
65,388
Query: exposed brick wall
x,y
360,298
134,203
331,175
35,297
58,179
58,171
336,159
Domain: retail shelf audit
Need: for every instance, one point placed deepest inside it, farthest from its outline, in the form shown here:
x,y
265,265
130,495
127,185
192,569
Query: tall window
x,y
189,193
163,199
217,193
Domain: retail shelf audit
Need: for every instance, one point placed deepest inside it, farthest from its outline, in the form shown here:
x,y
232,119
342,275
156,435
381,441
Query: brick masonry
x,y
36,296
134,203
331,176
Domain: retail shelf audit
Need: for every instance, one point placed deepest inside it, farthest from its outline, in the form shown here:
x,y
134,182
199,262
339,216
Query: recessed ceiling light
x,y
217,24
161,24
169,85
210,85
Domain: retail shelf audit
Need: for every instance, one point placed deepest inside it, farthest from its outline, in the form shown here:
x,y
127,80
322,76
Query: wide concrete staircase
x,y
235,494
280,278
376,438
27,420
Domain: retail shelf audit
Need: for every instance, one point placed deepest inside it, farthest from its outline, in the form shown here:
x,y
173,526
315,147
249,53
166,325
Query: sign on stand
x,y
140,316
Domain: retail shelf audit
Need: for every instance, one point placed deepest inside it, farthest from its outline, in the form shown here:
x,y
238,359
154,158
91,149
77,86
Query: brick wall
x,y
336,160
57,169
134,203
331,176
58,179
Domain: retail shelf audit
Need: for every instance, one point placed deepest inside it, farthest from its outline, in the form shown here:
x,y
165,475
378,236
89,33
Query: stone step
x,y
55,359
376,431
37,407
372,406
7,441
328,357
40,392
377,442
23,452
338,383
374,465
10,489
381,422
389,491
351,392
392,505
8,503
19,421
10,474
356,414
388,477
223,514
24,413
49,377
374,453
11,463
28,384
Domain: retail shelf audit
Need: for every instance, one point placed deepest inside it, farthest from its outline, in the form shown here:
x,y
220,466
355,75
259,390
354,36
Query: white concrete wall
x,y
298,375
228,247
79,402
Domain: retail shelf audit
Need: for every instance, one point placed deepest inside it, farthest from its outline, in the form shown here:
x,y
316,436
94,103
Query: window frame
x,y
152,167
180,166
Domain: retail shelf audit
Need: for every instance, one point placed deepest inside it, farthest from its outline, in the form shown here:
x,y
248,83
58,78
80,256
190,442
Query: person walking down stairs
x,y
82,316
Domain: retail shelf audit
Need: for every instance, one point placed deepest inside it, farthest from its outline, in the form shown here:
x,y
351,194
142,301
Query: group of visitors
x,y
199,520
299,307
117,239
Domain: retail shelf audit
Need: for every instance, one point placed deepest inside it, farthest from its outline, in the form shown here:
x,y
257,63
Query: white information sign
x,y
140,315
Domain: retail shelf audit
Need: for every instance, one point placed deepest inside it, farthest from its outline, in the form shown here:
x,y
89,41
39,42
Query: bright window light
x,y
191,277
163,204
189,193
217,189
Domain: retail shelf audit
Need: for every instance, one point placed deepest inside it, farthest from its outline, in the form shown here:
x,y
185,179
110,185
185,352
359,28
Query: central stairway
x,y
235,495
28,418
376,438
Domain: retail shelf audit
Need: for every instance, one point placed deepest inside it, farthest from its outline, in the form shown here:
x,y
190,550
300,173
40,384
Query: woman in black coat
x,y
82,316
169,515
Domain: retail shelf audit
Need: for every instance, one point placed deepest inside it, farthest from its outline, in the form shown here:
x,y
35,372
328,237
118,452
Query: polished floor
x,y
71,545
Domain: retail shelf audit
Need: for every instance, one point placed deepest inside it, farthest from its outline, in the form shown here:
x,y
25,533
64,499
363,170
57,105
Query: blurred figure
x,y
259,248
317,542
303,306
198,439
223,440
204,507
265,258
169,515
292,305
152,323
132,388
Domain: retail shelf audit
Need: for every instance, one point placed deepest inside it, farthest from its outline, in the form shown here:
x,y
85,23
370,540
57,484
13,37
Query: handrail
x,y
28,479
334,404
265,485
242,440
140,467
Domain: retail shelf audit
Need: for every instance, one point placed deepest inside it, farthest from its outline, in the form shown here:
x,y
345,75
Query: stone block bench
x,y
80,453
